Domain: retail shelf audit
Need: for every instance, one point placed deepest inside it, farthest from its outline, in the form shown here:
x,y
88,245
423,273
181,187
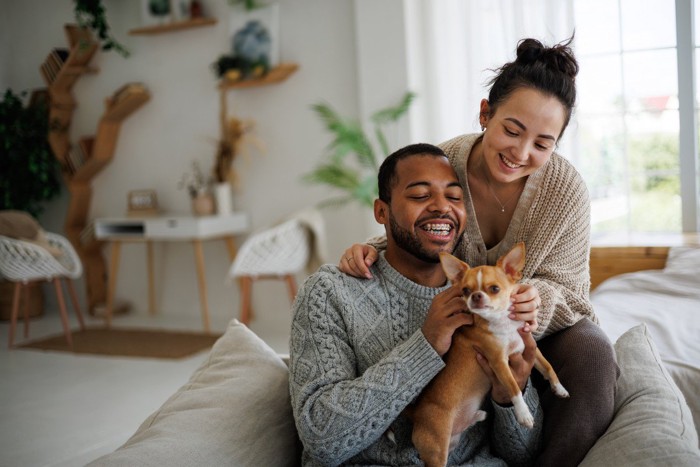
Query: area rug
x,y
147,343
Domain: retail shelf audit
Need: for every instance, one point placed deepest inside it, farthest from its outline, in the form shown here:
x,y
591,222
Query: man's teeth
x,y
438,229
509,163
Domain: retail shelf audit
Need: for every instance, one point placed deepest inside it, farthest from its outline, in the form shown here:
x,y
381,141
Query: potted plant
x,y
29,172
91,14
198,186
356,176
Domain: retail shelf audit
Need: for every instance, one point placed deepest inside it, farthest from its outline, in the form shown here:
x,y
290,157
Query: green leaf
x,y
393,114
357,176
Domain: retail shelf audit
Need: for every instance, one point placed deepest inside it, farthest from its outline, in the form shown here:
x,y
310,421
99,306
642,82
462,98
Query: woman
x,y
518,189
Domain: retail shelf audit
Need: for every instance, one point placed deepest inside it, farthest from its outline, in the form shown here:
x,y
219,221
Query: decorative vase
x,y
203,204
255,35
224,203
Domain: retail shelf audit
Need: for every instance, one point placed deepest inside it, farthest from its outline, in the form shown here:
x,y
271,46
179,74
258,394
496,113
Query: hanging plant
x,y
91,14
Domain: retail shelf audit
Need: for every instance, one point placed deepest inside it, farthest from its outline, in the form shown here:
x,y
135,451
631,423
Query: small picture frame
x,y
142,203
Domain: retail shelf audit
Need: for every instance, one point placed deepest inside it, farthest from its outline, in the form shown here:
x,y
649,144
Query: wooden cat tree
x,y
81,163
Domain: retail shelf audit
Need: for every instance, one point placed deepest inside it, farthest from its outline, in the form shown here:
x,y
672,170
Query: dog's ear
x,y
453,267
513,262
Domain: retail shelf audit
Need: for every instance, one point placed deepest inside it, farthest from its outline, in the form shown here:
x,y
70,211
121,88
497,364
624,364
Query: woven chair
x,y
23,262
277,253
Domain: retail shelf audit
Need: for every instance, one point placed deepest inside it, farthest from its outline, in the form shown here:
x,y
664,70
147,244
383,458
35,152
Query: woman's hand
x,y
447,312
357,259
520,365
525,305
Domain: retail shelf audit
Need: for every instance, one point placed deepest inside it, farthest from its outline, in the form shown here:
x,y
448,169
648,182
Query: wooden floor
x,y
60,409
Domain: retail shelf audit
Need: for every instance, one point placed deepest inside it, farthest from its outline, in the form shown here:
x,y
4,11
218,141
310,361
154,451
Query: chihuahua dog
x,y
452,402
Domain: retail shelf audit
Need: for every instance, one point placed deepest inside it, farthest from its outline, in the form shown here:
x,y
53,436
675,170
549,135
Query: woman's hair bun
x,y
559,57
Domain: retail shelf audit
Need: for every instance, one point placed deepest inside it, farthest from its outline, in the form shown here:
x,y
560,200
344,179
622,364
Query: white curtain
x,y
453,45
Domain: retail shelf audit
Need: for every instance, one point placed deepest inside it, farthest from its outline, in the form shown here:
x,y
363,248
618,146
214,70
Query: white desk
x,y
168,228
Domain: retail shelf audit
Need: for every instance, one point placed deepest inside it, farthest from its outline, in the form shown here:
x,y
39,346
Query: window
x,y
627,134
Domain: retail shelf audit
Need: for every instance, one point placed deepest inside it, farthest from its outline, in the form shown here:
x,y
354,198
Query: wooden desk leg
x,y
151,279
113,270
231,246
199,259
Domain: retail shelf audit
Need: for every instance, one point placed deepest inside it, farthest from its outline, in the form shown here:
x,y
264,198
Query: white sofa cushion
x,y
234,410
653,425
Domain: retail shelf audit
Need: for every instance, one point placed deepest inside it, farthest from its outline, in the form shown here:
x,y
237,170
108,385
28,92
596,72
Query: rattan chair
x,y
277,253
23,262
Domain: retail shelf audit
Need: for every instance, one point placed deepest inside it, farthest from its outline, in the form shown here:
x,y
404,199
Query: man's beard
x,y
410,243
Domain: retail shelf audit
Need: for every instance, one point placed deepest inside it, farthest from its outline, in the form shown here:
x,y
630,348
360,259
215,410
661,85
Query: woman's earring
x,y
483,127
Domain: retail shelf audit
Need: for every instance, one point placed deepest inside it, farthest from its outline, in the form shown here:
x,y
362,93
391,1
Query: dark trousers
x,y
584,359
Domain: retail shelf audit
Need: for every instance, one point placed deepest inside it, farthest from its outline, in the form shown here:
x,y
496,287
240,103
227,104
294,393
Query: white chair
x,y
277,253
23,262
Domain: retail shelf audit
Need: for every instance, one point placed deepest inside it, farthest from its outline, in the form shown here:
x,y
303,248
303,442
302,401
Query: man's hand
x,y
447,313
520,365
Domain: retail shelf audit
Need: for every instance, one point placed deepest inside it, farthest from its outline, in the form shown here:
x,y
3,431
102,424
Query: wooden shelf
x,y
82,162
278,74
173,26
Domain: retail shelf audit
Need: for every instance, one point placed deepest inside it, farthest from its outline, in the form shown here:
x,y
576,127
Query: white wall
x,y
180,123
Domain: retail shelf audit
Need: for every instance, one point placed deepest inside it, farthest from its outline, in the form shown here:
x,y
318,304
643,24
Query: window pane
x,y
651,80
653,169
648,24
600,155
592,17
696,21
656,208
599,84
697,75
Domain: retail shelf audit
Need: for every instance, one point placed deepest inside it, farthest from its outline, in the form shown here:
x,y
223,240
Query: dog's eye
x,y
466,291
494,289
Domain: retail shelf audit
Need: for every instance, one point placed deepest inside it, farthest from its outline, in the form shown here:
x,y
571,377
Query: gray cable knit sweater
x,y
358,358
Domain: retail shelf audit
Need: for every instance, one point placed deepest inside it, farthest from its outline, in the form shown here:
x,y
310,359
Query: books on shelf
x,y
87,235
53,64
77,155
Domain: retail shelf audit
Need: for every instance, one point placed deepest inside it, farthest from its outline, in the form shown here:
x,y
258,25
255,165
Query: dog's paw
x,y
390,435
560,391
526,419
522,413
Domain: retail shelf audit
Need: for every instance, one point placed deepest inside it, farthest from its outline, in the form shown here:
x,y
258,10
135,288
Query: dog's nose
x,y
477,296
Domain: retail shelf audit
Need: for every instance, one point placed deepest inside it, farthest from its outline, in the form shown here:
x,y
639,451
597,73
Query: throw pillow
x,y
653,425
235,410
23,226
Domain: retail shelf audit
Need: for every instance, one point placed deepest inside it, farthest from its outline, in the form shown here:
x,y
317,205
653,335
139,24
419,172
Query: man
x,y
362,350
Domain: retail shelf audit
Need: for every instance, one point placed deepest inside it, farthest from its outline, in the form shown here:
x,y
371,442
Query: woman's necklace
x,y
493,192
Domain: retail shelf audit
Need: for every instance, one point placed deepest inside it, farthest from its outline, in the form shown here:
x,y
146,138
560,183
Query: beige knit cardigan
x,y
553,219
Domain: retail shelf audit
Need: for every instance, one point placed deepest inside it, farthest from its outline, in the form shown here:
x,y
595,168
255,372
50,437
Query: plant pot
x,y
203,204
36,300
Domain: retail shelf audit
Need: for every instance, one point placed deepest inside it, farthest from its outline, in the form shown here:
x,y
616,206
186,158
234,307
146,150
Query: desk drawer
x,y
195,227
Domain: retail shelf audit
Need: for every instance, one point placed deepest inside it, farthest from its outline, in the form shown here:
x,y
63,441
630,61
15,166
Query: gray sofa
x,y
235,410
